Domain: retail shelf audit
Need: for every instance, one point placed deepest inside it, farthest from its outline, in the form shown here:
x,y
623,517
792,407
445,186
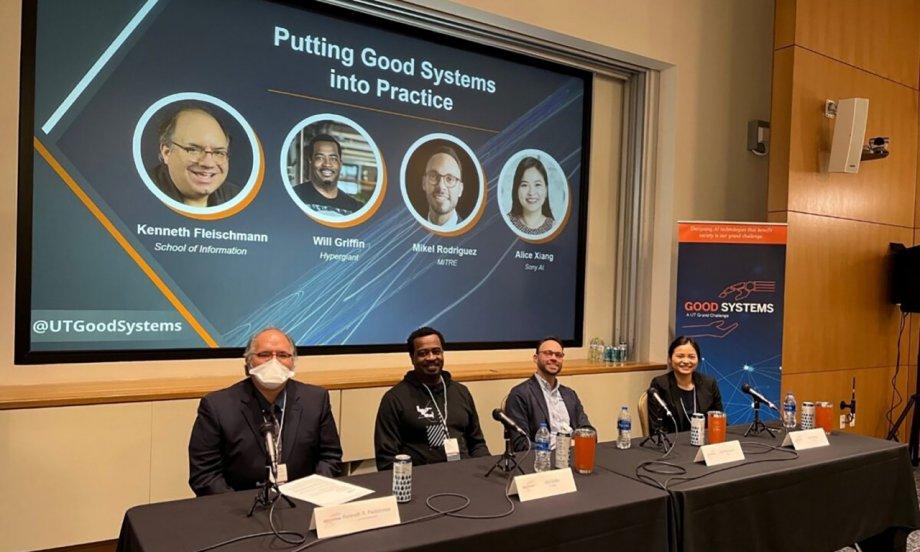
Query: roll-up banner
x,y
730,282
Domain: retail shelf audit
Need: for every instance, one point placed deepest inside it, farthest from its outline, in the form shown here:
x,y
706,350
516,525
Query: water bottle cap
x,y
542,424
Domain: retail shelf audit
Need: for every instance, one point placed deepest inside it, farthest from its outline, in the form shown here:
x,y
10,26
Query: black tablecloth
x,y
608,512
825,499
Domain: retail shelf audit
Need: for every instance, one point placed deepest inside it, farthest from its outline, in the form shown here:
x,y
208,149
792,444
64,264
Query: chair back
x,y
643,412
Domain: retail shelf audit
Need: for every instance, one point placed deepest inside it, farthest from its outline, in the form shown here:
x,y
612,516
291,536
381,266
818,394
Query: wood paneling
x,y
783,25
105,392
882,37
883,190
780,129
873,394
837,314
104,546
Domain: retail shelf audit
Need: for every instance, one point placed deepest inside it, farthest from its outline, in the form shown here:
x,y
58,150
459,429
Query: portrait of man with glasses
x,y
442,182
542,399
194,155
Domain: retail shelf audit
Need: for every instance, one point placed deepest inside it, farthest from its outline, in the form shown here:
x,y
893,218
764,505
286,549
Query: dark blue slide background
x,y
225,49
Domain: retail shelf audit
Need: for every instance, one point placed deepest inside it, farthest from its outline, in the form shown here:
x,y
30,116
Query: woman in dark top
x,y
683,388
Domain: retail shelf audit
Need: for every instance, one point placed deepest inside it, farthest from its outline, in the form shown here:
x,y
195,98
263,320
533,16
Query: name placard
x,y
332,521
542,484
806,439
719,453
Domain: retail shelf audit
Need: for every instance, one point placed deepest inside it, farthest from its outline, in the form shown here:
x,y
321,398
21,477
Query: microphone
x,y
268,431
499,415
660,402
757,396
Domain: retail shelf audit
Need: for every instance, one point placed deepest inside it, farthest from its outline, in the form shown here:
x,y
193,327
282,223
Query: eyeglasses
x,y
434,177
196,153
267,355
557,354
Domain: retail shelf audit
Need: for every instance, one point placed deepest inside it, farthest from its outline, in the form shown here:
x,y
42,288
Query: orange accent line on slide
x,y
123,242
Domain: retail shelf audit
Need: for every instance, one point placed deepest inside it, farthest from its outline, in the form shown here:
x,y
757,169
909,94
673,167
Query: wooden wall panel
x,y
780,127
873,394
883,190
881,37
783,25
837,311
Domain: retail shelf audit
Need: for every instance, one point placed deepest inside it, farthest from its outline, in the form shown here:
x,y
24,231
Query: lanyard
x,y
681,399
435,403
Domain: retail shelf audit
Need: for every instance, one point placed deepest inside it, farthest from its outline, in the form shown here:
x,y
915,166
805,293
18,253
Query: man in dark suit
x,y
543,399
227,450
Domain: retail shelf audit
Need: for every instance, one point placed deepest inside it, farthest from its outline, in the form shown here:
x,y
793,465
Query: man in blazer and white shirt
x,y
543,399
227,449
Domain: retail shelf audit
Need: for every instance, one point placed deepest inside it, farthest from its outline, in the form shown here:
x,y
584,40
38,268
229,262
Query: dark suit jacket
x,y
226,452
707,398
526,405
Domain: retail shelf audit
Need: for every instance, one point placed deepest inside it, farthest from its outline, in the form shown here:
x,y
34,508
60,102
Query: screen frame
x,y
22,325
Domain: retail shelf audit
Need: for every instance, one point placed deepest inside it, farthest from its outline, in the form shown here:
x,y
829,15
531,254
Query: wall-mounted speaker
x,y
849,133
904,284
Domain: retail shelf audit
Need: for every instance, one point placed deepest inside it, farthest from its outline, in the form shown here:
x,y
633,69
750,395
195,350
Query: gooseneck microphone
x,y
757,396
499,415
660,402
268,431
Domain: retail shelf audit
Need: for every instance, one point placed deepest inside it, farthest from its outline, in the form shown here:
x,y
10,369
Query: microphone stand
x,y
507,463
659,438
757,426
268,489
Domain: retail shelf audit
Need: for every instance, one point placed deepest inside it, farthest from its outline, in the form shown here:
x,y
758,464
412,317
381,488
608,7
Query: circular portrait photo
x,y
443,184
198,155
333,170
533,195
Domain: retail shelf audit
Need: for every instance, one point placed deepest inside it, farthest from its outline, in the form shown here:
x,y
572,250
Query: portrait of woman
x,y
531,212
683,388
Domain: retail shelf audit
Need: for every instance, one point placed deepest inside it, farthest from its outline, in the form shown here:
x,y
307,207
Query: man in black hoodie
x,y
427,415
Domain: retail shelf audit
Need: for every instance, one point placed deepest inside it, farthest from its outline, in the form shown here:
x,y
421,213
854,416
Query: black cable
x,y
793,452
674,442
452,513
244,537
895,403
301,538
271,523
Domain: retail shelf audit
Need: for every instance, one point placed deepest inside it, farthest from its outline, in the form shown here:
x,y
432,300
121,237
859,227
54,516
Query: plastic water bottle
x,y
592,351
624,428
789,411
608,355
541,460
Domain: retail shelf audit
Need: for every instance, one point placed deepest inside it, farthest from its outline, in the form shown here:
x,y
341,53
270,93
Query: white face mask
x,y
271,374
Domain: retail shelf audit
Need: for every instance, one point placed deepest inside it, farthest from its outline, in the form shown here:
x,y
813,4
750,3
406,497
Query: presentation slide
x,y
196,170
